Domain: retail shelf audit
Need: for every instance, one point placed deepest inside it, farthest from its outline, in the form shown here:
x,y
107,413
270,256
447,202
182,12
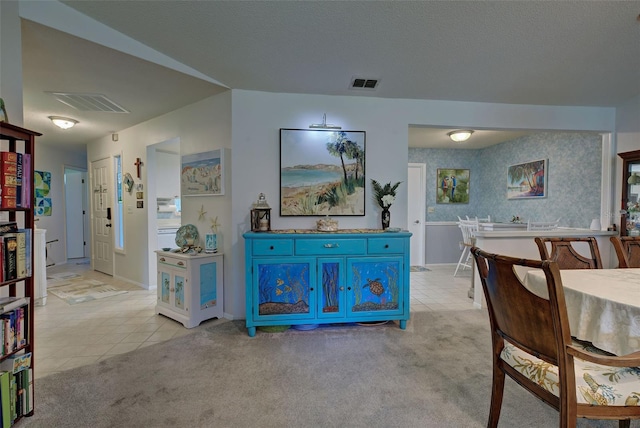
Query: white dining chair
x,y
542,225
469,229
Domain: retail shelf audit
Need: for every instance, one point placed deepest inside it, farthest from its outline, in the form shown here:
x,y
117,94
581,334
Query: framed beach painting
x,y
527,180
202,174
322,172
452,186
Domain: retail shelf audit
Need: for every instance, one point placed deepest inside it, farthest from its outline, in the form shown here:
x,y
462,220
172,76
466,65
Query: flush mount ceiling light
x,y
460,135
63,122
324,124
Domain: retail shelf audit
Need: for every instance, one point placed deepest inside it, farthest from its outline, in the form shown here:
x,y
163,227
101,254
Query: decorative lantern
x,y
261,215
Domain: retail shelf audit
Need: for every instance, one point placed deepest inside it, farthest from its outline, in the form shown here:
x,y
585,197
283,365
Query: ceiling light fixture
x,y
460,135
324,124
63,122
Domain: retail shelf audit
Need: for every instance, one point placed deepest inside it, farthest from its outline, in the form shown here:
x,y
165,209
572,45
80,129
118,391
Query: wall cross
x,y
138,164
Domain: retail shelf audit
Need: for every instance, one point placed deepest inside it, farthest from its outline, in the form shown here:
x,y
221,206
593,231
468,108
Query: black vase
x,y
386,218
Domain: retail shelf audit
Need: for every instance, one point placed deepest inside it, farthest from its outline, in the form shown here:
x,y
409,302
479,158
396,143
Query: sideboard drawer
x,y
386,246
325,247
172,261
272,247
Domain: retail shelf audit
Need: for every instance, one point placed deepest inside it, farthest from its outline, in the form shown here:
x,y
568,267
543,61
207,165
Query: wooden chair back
x,y
539,327
628,250
564,253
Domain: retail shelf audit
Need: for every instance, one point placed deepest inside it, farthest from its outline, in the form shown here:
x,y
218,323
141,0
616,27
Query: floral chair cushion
x,y
595,384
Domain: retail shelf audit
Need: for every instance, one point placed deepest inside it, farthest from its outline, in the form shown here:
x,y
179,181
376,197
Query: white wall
x,y
11,63
203,126
54,160
258,116
168,176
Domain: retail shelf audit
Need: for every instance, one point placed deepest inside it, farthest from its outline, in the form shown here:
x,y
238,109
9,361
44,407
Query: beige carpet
x,y
74,288
436,373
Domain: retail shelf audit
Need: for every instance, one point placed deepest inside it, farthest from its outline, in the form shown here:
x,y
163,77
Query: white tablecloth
x,y
603,305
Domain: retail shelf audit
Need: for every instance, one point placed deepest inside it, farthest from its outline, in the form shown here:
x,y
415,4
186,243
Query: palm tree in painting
x,y
339,148
529,172
355,152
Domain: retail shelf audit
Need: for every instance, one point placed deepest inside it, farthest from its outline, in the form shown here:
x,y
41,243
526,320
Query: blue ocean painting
x,y
307,177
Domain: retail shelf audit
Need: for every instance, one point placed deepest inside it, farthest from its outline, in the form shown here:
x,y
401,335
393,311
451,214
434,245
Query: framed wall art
x,y
322,172
42,187
452,186
527,180
202,174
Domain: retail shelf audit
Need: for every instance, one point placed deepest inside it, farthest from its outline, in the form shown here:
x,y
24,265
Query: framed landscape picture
x,y
452,186
202,173
322,172
527,180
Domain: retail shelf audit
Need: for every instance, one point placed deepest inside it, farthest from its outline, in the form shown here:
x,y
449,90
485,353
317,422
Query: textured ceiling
x,y
579,53
550,53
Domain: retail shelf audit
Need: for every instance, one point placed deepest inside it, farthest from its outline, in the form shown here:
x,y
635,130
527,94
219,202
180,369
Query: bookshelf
x,y
18,359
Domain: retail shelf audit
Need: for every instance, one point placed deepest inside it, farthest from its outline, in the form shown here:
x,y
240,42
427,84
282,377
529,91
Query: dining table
x,y
603,305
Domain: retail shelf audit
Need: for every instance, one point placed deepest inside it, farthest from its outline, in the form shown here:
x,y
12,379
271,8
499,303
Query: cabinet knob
x,y
349,288
271,247
162,259
341,288
386,246
310,288
180,263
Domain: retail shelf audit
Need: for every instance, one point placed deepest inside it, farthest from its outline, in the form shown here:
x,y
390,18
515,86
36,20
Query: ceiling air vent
x,y
362,83
88,102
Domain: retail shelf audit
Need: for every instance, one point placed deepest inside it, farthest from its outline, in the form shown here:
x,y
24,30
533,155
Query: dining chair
x,y
579,381
628,250
469,229
564,253
542,225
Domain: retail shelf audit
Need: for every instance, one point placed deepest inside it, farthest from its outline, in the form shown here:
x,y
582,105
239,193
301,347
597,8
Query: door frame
x,y
420,236
86,227
152,203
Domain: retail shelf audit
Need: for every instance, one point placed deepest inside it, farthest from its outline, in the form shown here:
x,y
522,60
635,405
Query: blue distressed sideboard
x,y
305,277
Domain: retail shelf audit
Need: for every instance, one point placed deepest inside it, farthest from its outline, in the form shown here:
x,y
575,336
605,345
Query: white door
x,y
74,210
416,211
101,217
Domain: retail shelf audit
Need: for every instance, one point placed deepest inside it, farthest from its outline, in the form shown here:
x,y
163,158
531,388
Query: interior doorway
x,y
163,182
416,189
76,218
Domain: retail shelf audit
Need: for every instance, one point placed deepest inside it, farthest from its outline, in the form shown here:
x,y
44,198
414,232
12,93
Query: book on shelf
x,y
27,195
10,256
21,255
16,363
28,251
19,174
9,320
5,398
8,227
8,179
10,303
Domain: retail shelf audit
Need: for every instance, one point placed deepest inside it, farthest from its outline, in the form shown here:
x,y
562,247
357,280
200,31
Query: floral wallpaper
x,y
573,178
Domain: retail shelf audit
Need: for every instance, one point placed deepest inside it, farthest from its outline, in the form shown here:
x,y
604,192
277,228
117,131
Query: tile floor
x,y
69,336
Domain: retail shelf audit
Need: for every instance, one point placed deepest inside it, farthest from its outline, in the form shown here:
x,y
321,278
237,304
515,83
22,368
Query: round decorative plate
x,y
187,235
